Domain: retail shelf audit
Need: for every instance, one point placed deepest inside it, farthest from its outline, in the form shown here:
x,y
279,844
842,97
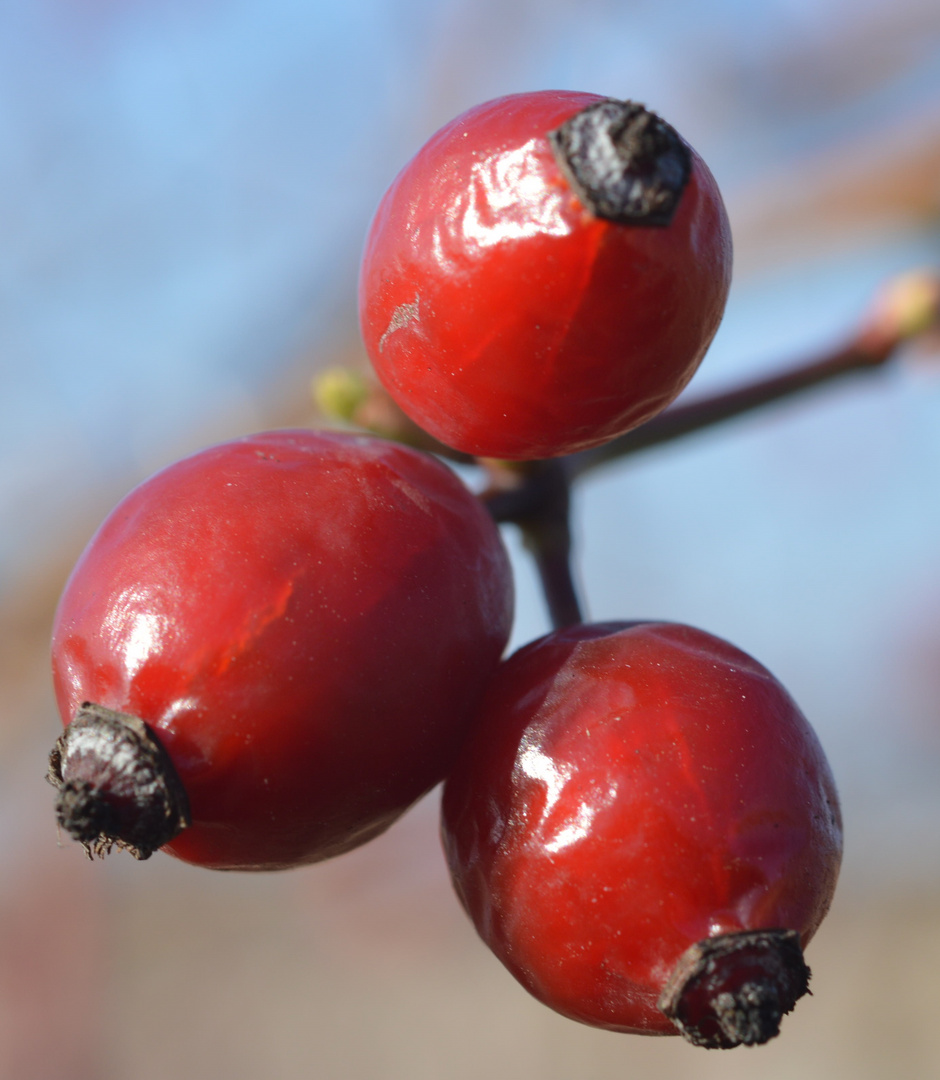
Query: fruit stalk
x,y
536,496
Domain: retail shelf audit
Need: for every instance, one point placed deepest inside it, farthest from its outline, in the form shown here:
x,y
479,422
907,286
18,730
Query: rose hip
x,y
545,274
284,639
644,829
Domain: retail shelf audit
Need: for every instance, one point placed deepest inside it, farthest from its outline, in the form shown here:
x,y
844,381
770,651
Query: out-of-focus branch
x,y
906,308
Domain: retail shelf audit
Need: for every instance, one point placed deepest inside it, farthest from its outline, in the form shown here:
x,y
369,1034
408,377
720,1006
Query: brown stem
x,y
866,353
553,561
904,309
537,497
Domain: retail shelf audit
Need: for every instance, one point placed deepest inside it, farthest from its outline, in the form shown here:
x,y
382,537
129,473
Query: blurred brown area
x,y
883,182
365,967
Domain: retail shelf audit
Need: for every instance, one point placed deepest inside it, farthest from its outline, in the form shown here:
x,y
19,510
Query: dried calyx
x,y
734,989
116,784
624,162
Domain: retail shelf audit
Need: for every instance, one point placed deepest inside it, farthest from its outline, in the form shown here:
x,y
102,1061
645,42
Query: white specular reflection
x,y
575,830
511,181
145,629
539,766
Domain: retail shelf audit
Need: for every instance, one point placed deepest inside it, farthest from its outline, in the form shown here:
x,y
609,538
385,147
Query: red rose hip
x,y
285,638
544,275
644,829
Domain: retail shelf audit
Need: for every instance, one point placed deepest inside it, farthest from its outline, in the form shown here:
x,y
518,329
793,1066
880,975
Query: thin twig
x,y
685,419
554,568
905,308
536,497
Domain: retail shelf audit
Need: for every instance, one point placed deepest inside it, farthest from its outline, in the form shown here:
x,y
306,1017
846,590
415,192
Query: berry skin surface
x,y
509,319
630,791
305,620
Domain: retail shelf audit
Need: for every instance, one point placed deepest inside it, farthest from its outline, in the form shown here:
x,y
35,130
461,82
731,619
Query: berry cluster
x,y
272,648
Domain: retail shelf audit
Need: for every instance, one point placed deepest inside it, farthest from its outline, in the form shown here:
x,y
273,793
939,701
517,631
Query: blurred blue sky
x,y
184,189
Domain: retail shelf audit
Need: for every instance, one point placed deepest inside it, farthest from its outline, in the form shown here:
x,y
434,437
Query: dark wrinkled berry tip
x,y
625,164
734,989
116,785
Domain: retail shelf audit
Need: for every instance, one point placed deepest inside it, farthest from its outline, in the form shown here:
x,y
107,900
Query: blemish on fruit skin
x,y
401,316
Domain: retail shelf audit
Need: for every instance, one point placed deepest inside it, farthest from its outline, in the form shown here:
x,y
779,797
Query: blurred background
x,y
184,191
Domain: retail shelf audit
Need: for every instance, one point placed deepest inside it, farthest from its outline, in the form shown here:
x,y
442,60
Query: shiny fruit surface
x,y
506,317
631,790
306,620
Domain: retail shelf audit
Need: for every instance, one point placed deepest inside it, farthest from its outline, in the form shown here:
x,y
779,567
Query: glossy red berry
x,y
644,829
301,622
545,274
